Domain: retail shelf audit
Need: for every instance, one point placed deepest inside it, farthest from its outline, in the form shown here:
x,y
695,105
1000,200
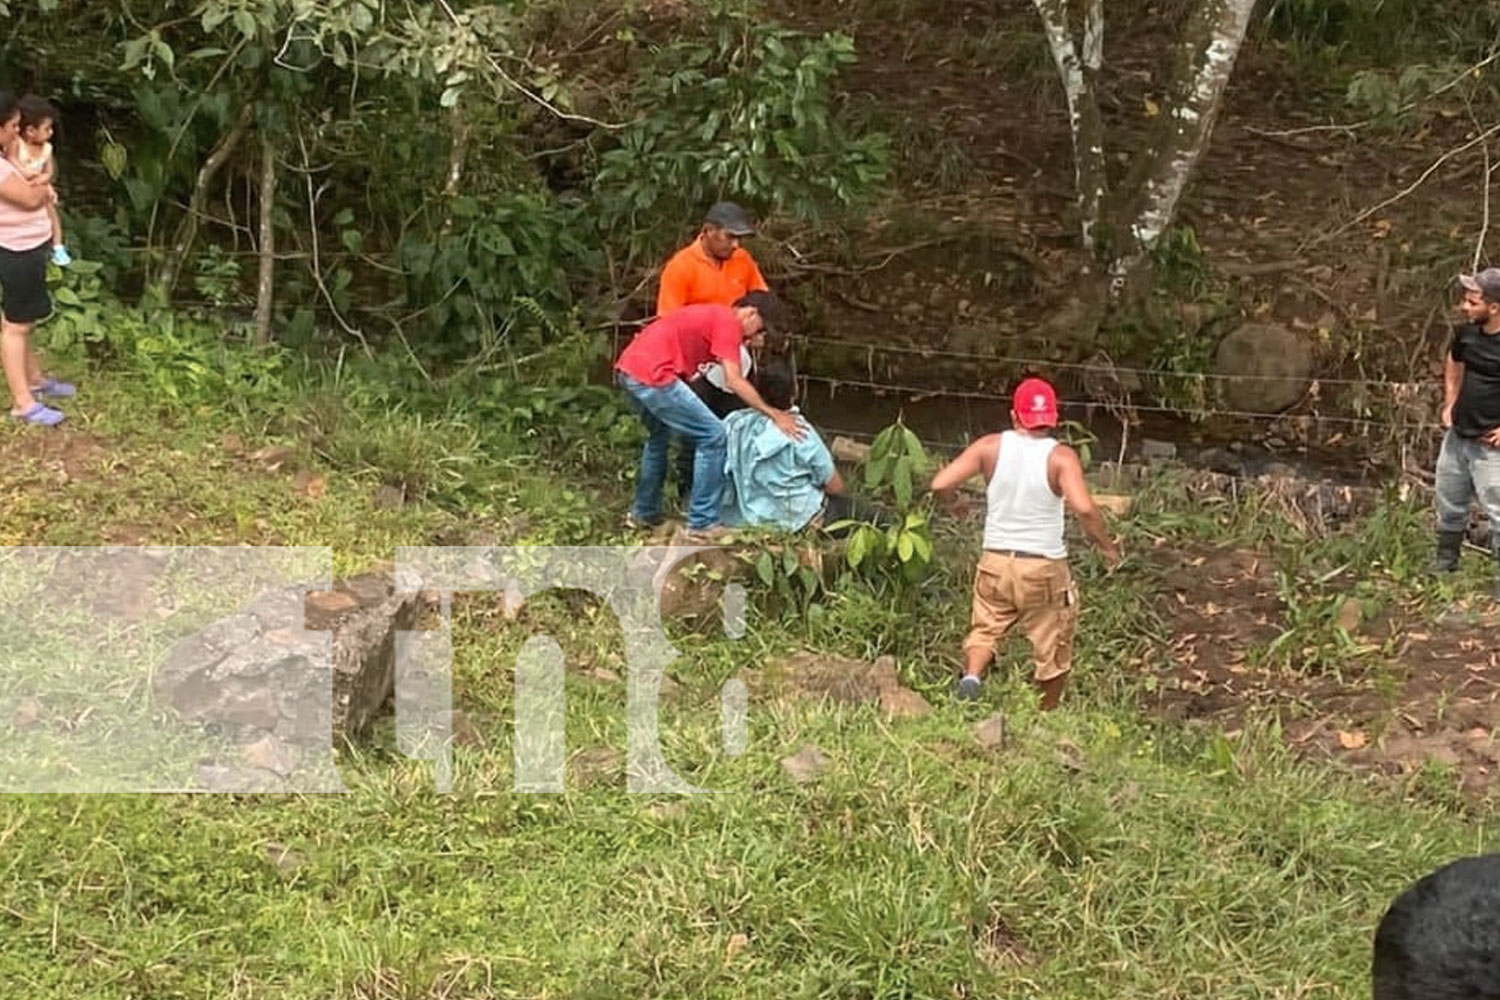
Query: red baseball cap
x,y
1035,404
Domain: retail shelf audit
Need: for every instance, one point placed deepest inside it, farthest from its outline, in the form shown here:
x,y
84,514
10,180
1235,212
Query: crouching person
x,y
771,480
652,369
1440,938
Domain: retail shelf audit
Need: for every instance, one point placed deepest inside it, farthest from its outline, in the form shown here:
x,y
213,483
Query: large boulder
x,y
1267,368
267,671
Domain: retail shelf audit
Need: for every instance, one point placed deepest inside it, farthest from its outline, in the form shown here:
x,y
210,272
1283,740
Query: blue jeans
x,y
676,409
1465,468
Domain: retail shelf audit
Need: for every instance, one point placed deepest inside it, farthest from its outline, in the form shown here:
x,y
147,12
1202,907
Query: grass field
x,y
1099,853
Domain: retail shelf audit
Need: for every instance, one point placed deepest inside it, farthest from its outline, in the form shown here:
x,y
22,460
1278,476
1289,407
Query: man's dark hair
x,y
36,110
776,381
1440,938
772,312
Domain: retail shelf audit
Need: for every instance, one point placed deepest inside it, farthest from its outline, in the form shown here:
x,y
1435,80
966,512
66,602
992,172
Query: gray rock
x,y
1156,452
388,498
991,732
260,670
805,765
1268,368
270,754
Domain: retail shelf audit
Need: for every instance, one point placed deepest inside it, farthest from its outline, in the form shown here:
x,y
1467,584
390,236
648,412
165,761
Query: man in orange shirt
x,y
713,269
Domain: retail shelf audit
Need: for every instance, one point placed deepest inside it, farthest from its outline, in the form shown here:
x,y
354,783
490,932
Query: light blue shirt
x,y
770,479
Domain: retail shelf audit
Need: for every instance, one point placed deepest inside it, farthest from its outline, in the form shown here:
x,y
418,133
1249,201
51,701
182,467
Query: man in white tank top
x,y
1023,576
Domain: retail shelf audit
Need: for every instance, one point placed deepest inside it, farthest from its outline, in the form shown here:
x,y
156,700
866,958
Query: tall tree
x,y
1119,227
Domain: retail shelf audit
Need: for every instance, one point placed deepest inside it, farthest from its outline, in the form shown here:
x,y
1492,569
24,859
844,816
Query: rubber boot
x,y
1449,545
1051,691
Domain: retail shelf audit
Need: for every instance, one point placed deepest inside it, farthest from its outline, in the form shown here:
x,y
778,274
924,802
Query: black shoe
x,y
1449,547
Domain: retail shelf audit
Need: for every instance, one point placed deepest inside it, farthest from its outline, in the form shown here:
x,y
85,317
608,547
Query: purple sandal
x,y
46,416
57,390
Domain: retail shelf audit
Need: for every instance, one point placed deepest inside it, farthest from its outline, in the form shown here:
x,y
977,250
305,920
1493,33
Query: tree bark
x,y
458,153
1078,62
266,282
1209,50
187,230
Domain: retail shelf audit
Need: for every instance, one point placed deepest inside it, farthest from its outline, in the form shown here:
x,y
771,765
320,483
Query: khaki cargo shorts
x,y
1037,594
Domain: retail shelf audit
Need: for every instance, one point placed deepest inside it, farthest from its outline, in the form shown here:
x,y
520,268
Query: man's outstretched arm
x,y
1075,491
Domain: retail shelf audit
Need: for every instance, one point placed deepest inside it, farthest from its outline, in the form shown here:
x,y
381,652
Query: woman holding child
x,y
26,241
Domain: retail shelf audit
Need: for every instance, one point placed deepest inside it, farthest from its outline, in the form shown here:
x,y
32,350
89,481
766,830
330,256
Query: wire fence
x,y
1088,405
1107,391
1103,367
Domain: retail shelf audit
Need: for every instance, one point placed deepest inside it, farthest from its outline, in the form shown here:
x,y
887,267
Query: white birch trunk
x,y
1212,46
1078,65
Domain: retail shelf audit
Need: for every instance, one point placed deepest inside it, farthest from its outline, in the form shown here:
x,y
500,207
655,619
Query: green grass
x,y
1127,858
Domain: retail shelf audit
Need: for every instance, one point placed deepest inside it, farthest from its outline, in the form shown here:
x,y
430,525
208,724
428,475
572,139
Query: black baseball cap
x,y
1486,283
731,218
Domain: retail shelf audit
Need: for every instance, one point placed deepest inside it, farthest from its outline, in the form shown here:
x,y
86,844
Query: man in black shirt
x,y
1469,463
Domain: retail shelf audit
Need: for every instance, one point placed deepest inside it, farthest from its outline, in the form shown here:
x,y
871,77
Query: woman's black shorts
x,y
23,281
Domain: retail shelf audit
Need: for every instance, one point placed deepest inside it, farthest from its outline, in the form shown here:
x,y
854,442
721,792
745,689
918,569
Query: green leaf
x,y
450,97
901,481
905,548
875,471
859,545
244,23
809,580
67,297
764,569
789,560
214,15
881,446
922,546
915,450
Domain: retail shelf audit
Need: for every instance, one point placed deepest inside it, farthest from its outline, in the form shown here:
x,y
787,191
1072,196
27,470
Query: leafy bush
x,y
902,551
503,268
183,363
746,110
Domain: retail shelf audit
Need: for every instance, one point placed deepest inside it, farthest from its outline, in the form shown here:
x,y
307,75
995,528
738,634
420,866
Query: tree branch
x,y
266,280
187,231
520,87
314,265
1406,191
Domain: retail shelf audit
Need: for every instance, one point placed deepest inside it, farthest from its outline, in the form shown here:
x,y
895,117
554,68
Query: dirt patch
x,y
114,583
62,456
825,678
1002,948
1422,695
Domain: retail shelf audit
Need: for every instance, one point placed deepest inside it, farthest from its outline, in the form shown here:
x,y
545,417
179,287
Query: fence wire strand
x,y
1075,405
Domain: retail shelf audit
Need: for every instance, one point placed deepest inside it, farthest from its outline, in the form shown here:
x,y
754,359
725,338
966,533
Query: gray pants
x,y
1466,468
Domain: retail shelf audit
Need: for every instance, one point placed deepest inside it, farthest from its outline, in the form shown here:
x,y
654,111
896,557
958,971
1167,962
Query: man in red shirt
x,y
653,370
